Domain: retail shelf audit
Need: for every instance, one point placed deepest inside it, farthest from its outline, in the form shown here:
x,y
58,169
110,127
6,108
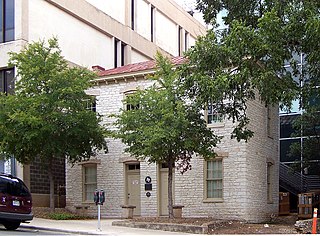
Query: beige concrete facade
x,y
250,193
86,32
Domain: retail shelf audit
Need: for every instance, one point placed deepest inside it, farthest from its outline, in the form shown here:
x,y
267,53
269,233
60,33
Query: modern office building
x,y
298,173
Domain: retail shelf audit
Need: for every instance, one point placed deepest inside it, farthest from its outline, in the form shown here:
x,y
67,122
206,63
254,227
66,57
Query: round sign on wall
x,y
148,179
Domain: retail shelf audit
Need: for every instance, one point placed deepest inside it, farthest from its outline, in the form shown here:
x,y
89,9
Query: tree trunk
x,y
170,193
51,181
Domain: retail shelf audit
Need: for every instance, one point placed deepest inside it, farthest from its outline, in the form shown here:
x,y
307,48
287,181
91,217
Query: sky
x,y
191,5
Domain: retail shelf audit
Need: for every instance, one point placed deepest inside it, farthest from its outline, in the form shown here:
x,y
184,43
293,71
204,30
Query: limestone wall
x,y
244,170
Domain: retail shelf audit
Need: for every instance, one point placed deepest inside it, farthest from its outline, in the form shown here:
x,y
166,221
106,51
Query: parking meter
x,y
96,196
102,197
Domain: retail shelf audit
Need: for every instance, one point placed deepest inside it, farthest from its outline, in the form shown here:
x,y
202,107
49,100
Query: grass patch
x,y
64,216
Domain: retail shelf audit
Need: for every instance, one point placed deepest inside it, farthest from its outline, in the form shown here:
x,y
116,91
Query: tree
x,y
246,60
307,125
47,116
162,127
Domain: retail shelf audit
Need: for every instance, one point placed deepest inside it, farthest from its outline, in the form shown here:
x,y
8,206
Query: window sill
x,y
87,203
216,125
91,161
213,200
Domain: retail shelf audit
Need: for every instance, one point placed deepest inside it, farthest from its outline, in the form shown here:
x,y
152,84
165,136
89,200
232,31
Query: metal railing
x,y
295,182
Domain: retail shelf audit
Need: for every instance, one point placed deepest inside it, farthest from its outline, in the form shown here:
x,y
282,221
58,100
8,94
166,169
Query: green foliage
x,y
63,216
47,116
308,126
246,60
164,127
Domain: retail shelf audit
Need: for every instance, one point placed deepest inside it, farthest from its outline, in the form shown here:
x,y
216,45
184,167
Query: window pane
x,y
286,128
9,74
295,107
9,20
285,149
90,182
90,175
90,191
214,179
212,115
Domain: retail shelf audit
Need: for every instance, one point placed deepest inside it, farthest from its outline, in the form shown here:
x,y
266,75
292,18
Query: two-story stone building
x,y
241,183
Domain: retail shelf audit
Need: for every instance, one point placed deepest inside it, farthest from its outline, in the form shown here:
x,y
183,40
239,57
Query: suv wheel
x,y
11,225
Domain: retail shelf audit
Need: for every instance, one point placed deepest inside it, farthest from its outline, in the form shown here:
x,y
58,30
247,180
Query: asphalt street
x,y
31,232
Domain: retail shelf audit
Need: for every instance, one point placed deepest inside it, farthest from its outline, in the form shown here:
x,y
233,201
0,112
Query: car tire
x,y
11,225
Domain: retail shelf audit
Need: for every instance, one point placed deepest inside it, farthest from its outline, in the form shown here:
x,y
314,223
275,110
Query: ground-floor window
x,y
89,181
269,182
214,179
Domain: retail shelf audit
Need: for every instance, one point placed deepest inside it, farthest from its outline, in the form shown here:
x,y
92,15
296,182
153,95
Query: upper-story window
x,y
123,54
91,105
133,14
129,104
119,53
7,81
180,48
6,20
186,41
152,23
213,116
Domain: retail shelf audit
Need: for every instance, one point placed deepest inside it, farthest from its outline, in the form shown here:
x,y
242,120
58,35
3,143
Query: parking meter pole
x,y
99,221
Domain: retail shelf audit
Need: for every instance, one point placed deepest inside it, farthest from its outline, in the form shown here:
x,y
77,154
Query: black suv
x,y
15,202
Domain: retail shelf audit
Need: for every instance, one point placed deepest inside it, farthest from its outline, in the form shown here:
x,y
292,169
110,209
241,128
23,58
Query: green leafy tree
x,y
47,116
308,126
246,60
162,127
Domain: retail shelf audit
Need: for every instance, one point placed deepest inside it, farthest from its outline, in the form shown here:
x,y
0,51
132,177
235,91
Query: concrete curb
x,y
58,230
164,227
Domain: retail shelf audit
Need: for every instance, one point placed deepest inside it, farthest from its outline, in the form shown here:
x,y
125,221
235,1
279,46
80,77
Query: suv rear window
x,y
13,186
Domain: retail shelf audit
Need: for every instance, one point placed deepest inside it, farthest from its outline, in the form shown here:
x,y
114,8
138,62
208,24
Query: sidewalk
x,y
89,227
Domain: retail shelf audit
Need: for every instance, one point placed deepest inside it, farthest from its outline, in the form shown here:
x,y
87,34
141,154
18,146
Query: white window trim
x,y
205,193
85,164
215,124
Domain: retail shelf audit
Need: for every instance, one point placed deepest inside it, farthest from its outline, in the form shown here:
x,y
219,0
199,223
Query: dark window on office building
x,y
152,23
285,155
123,53
286,125
116,41
119,53
7,81
132,14
6,20
180,41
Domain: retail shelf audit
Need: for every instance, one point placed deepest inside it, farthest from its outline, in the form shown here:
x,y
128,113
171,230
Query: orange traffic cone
x,y
314,221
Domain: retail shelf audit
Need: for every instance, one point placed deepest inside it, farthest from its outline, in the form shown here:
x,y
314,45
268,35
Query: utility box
x,y
284,203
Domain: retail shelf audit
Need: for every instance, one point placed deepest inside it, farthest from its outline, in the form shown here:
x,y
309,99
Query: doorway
x,y
133,196
163,190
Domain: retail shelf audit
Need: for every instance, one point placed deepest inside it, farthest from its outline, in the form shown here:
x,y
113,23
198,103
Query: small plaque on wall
x,y
148,187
